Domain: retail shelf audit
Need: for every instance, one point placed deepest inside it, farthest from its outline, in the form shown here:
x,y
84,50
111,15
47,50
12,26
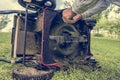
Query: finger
x,y
69,21
77,17
68,13
65,20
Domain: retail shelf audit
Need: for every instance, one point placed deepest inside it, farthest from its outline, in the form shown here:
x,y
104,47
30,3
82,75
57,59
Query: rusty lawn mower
x,y
42,40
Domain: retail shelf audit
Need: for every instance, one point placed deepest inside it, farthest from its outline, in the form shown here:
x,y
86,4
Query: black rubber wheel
x,y
29,73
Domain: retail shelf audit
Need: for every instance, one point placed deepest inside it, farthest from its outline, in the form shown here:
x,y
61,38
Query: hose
x,y
10,61
4,60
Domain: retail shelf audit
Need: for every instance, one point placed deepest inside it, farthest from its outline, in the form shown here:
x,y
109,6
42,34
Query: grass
x,y
106,52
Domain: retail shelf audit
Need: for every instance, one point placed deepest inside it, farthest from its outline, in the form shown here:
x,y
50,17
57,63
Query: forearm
x,y
89,11
116,2
100,6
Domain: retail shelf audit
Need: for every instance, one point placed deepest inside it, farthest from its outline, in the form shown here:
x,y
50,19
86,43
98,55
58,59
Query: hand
x,y
68,13
69,16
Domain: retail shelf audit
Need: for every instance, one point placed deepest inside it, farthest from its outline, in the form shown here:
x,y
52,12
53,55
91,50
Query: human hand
x,y
69,16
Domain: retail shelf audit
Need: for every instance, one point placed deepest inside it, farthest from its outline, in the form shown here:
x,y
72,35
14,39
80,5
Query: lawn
x,y
106,52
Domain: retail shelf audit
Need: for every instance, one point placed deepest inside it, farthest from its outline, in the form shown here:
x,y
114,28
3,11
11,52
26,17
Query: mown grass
x,y
106,52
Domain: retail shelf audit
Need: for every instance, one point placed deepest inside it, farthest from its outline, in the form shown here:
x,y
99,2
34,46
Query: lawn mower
x,y
39,35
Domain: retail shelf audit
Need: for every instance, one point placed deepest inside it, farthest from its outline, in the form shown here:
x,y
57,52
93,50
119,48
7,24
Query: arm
x,y
116,2
84,9
95,8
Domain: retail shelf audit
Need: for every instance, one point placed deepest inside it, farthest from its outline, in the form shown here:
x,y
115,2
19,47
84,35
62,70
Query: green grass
x,y
106,52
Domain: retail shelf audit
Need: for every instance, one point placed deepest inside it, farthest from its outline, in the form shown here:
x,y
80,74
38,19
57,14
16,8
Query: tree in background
x,y
116,28
4,21
106,24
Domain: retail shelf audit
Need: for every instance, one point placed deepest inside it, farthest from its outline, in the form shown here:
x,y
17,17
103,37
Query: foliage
x,y
98,35
108,10
117,11
108,57
4,21
112,26
97,16
100,24
106,24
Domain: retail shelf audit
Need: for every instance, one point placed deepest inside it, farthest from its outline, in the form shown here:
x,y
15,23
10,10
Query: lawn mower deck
x,y
40,35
